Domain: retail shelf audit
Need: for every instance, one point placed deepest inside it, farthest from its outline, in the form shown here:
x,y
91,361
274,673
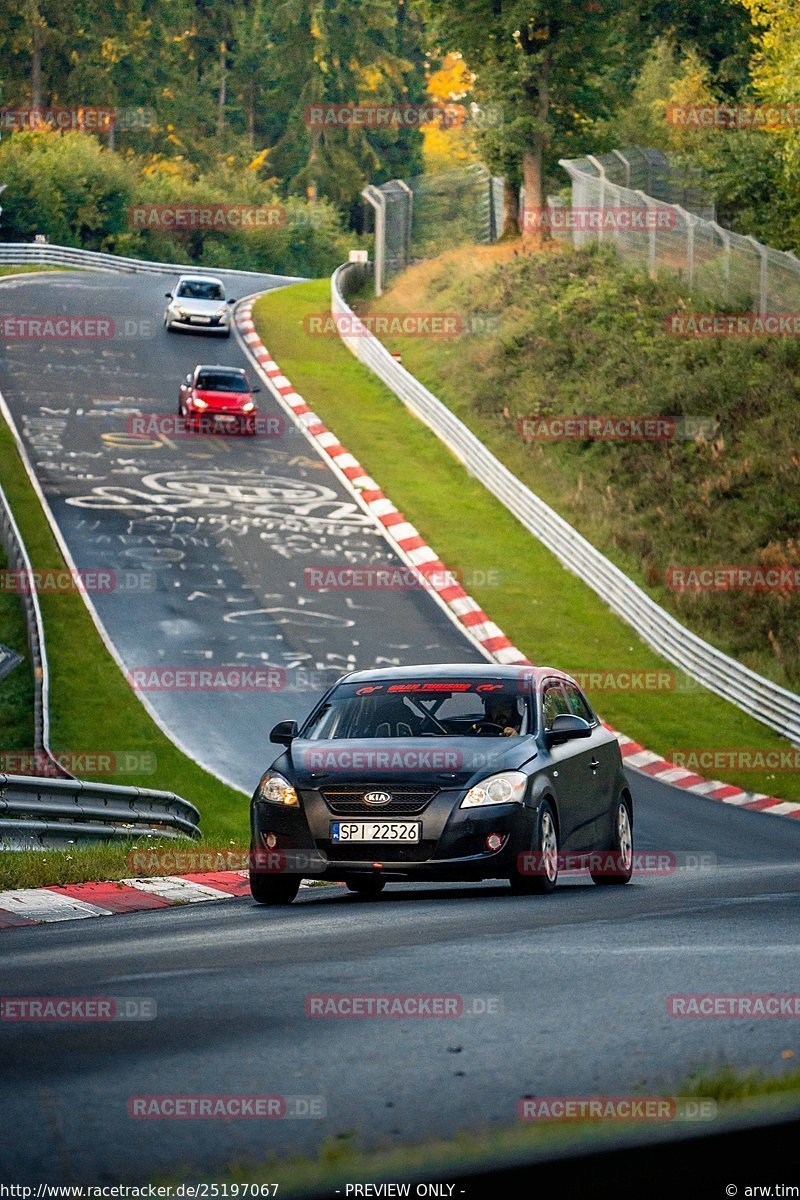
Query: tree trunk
x,y
36,68
535,229
223,82
251,115
510,210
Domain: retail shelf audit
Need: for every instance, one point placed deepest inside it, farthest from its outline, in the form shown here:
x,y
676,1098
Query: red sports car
x,y
216,398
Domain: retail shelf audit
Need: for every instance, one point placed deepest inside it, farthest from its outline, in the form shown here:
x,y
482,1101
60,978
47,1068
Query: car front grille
x,y
347,801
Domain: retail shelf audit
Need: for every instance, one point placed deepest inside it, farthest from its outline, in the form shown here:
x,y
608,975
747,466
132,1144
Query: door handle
x,y
594,764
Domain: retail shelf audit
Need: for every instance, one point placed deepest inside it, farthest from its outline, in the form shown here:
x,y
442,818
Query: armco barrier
x,y
45,255
37,812
18,560
759,697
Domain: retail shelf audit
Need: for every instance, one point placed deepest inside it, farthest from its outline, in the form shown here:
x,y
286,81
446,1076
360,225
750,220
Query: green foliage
x,y
77,193
578,336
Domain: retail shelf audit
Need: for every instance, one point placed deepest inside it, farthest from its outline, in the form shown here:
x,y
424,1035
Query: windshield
x,y
423,708
221,381
201,289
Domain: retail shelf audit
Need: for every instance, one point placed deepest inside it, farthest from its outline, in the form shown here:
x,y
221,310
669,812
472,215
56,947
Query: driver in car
x,y
502,711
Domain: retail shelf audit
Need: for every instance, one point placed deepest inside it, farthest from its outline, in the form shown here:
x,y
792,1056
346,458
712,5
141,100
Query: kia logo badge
x,y
378,798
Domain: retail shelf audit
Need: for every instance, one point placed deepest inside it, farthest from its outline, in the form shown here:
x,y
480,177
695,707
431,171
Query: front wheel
x,y
368,889
268,889
543,875
619,871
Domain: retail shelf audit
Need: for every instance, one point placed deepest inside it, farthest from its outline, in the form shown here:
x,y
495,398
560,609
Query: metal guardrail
x,y
39,811
43,254
36,812
768,702
18,560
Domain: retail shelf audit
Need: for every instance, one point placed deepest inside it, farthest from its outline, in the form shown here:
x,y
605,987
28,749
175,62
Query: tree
x,y
544,64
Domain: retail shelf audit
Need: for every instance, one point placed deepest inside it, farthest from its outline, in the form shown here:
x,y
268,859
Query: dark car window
x,y
554,704
221,381
201,289
578,703
424,708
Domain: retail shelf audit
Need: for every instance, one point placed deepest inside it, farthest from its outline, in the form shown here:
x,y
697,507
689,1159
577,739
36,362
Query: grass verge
x,y
572,333
340,1161
92,709
546,611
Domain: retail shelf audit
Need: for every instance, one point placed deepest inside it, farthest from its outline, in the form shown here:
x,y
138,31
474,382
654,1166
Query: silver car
x,y
198,303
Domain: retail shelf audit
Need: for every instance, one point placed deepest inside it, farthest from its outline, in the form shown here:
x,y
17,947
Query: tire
x,y
622,845
267,889
368,889
545,845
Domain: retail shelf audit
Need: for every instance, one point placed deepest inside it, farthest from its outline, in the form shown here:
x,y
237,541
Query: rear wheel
x,y
619,871
368,889
544,876
269,889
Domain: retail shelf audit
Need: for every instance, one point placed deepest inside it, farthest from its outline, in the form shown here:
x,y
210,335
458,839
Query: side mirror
x,y
232,300
284,733
255,389
188,379
168,295
565,728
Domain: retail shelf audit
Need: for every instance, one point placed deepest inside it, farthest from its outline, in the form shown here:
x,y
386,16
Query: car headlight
x,y
506,788
181,312
199,403
248,407
277,790
220,312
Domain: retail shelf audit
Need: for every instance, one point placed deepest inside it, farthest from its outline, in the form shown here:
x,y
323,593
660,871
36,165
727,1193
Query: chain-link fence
x,y
678,234
424,216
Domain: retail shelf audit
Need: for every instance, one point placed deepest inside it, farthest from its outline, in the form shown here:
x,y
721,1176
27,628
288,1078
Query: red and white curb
x,y
474,621
74,901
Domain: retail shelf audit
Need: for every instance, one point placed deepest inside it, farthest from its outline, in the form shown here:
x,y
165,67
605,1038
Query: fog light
x,y
269,840
494,841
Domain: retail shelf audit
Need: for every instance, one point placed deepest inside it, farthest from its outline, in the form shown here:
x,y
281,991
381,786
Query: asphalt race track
x,y
580,978
577,982
208,537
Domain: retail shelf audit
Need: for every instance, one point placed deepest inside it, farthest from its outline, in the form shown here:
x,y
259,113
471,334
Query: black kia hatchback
x,y
448,772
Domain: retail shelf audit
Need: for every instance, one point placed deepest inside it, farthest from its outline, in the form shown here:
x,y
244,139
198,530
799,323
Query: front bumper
x,y
215,325
452,845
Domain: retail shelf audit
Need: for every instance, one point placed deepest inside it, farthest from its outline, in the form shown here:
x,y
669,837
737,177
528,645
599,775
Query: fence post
x,y
377,200
762,275
651,245
726,241
626,162
409,218
690,224
596,163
